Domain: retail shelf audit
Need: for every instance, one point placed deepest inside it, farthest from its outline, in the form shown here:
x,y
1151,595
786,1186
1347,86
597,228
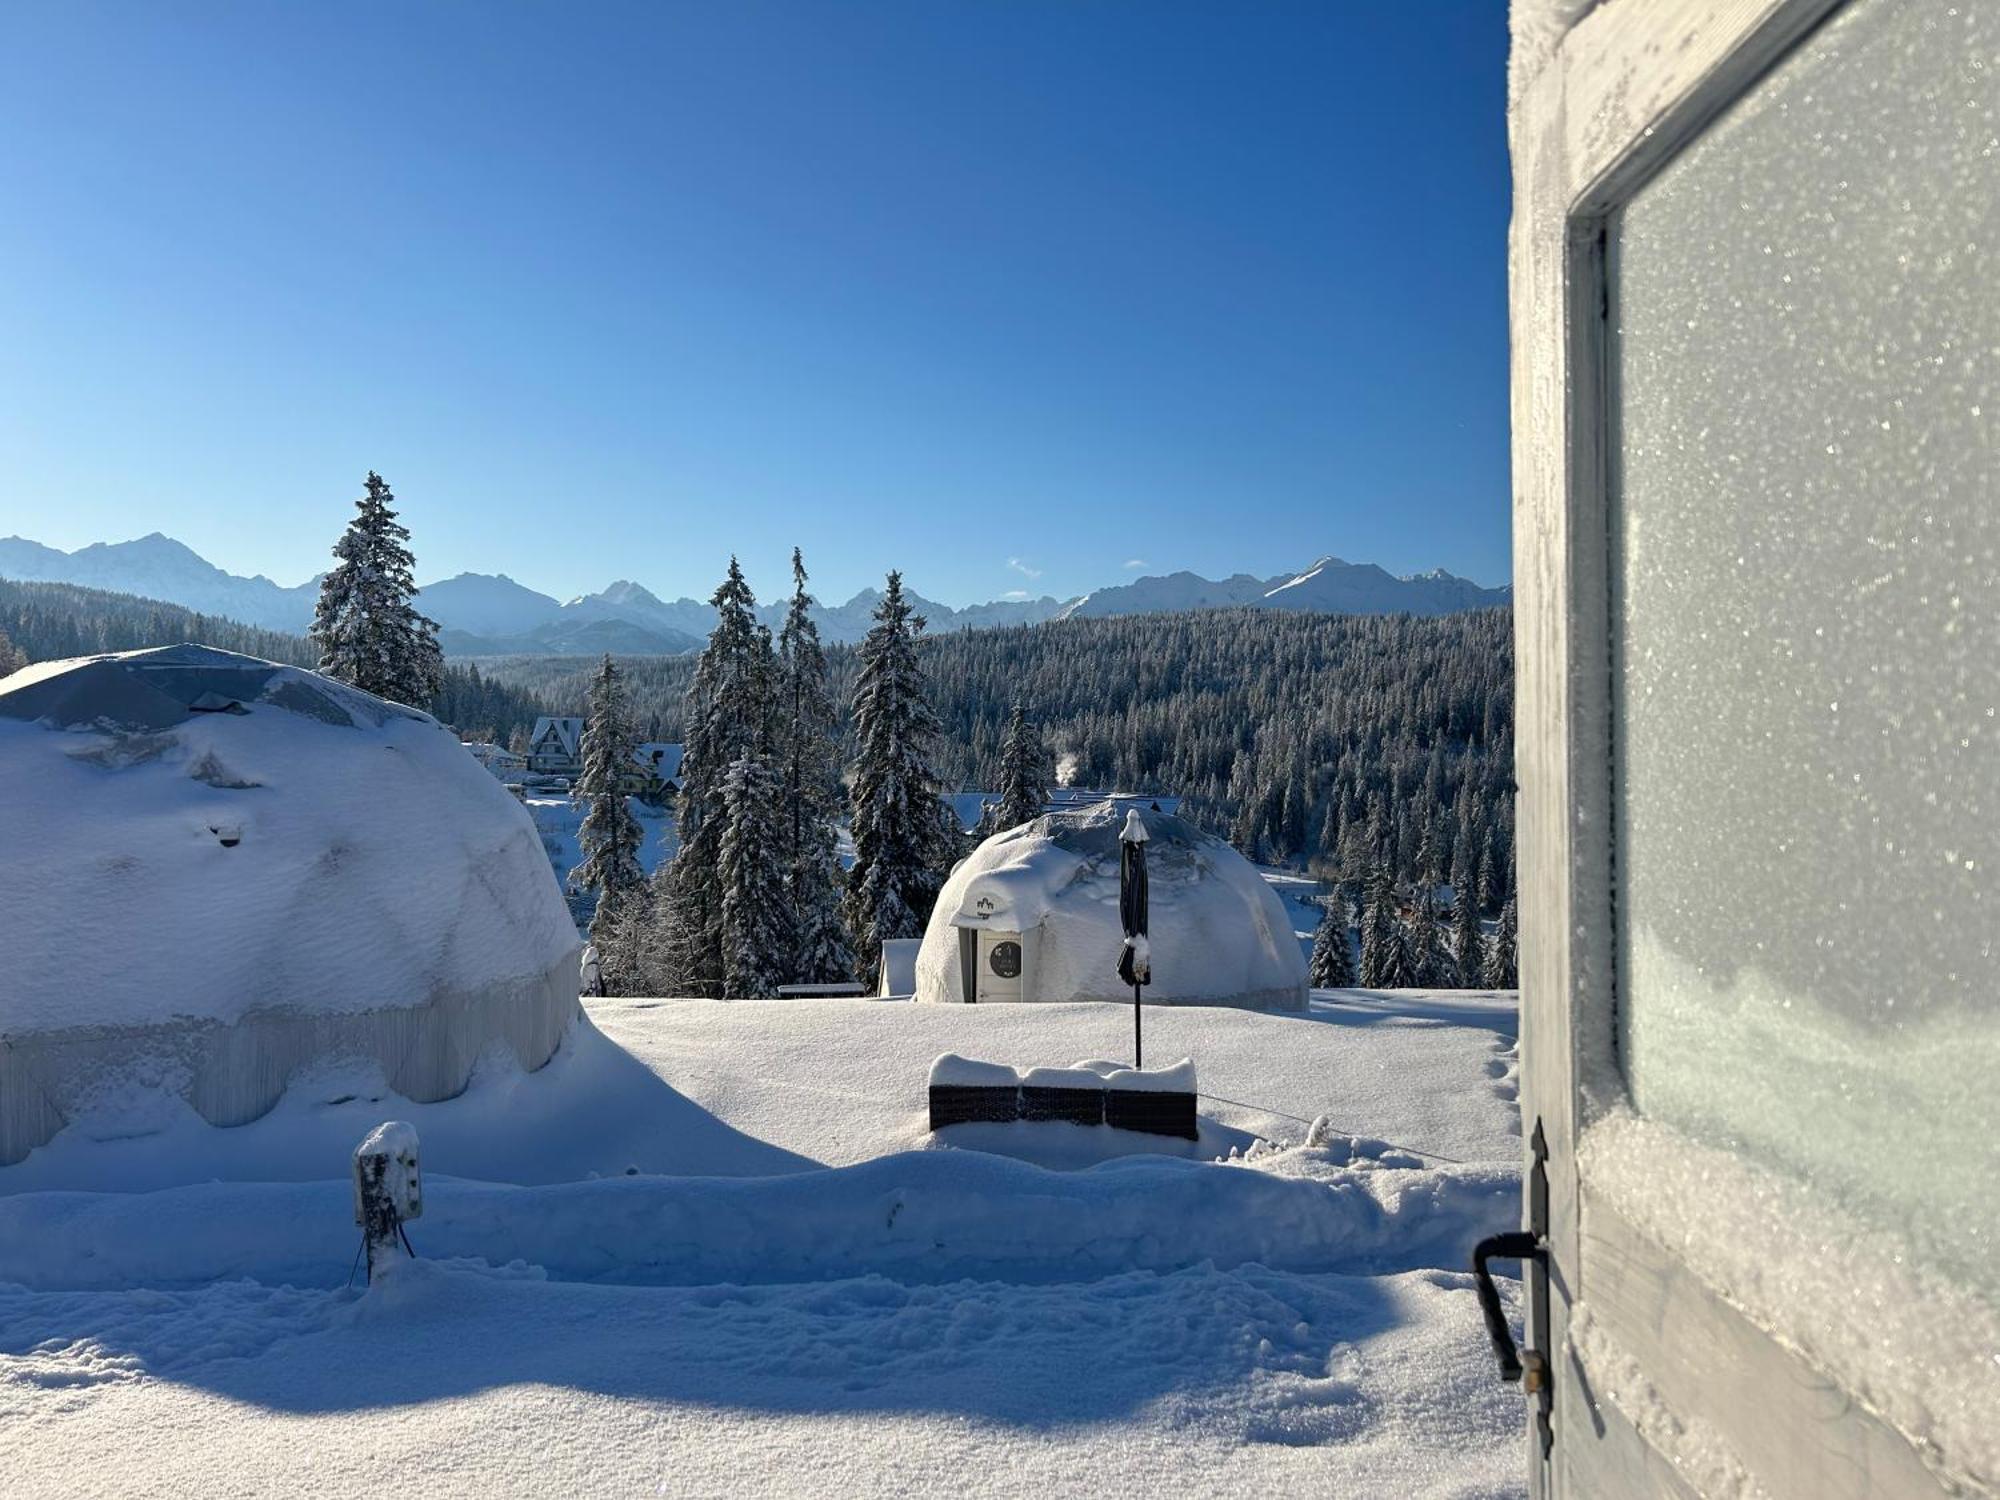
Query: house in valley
x,y
655,777
556,747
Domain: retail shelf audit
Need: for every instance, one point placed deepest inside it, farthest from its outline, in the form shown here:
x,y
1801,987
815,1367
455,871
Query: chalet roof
x,y
661,757
568,733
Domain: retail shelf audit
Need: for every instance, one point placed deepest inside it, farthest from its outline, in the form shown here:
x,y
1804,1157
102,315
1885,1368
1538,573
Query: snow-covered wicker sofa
x,y
1155,1101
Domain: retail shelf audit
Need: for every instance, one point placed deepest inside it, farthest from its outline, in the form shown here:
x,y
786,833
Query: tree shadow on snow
x,y
1388,1007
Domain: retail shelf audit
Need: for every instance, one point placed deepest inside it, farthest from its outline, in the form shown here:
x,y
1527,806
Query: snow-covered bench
x,y
1158,1101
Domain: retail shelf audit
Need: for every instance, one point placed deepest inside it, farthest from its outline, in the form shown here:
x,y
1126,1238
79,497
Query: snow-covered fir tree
x,y
809,734
365,628
1332,963
728,716
1024,772
1430,860
628,939
899,834
1430,944
756,926
636,955
1465,854
1388,961
610,836
1468,948
953,842
1491,874
1503,951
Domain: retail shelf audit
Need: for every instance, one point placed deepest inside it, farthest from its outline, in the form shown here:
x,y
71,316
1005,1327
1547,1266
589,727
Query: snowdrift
x,y
215,870
925,1216
1046,896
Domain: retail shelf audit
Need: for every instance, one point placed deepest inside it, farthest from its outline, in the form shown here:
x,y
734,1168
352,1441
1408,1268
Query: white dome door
x,y
1000,966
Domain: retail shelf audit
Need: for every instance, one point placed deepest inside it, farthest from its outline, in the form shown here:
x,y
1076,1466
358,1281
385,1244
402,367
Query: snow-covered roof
x,y
568,733
663,758
210,835
1219,934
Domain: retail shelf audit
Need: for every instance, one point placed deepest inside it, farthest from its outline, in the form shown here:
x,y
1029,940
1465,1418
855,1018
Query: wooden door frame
x,y
1628,88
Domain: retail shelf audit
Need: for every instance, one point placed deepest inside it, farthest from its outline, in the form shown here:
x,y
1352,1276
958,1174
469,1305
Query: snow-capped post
x,y
388,1188
1135,957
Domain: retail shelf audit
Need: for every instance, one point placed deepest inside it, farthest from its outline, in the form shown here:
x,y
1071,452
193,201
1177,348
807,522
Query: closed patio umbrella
x,y
1135,958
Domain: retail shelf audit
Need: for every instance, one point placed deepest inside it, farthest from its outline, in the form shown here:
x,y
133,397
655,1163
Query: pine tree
x,y
1379,923
952,844
1024,773
1332,964
810,796
12,657
610,835
1430,860
1294,810
626,935
1490,876
899,834
1385,957
635,949
1468,950
1430,945
365,627
756,929
1465,862
728,716
1502,952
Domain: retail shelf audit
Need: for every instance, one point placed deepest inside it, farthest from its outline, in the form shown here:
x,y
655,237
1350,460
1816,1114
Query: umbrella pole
x,y
1138,1042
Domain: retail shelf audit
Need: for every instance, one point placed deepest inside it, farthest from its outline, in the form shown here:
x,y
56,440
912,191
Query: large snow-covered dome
x,y
1032,914
215,870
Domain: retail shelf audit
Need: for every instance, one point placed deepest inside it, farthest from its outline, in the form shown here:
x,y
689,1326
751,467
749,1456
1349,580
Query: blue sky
x,y
1010,295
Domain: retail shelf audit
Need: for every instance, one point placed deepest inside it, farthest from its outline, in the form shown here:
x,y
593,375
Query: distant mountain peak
x,y
626,591
493,614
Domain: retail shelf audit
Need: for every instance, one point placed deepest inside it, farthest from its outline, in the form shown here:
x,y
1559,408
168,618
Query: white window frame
x,y
1631,85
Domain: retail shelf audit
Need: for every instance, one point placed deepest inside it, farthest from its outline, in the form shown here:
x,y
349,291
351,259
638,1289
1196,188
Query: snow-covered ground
x,y
712,1249
558,819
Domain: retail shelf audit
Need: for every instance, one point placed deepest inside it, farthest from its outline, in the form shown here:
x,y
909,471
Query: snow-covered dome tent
x,y
1032,914
215,871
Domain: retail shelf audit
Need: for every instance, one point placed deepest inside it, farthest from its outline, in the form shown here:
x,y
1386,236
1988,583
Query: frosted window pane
x,y
1807,626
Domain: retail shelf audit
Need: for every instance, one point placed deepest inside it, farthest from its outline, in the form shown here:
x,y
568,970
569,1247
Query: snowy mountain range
x,y
158,567
489,614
